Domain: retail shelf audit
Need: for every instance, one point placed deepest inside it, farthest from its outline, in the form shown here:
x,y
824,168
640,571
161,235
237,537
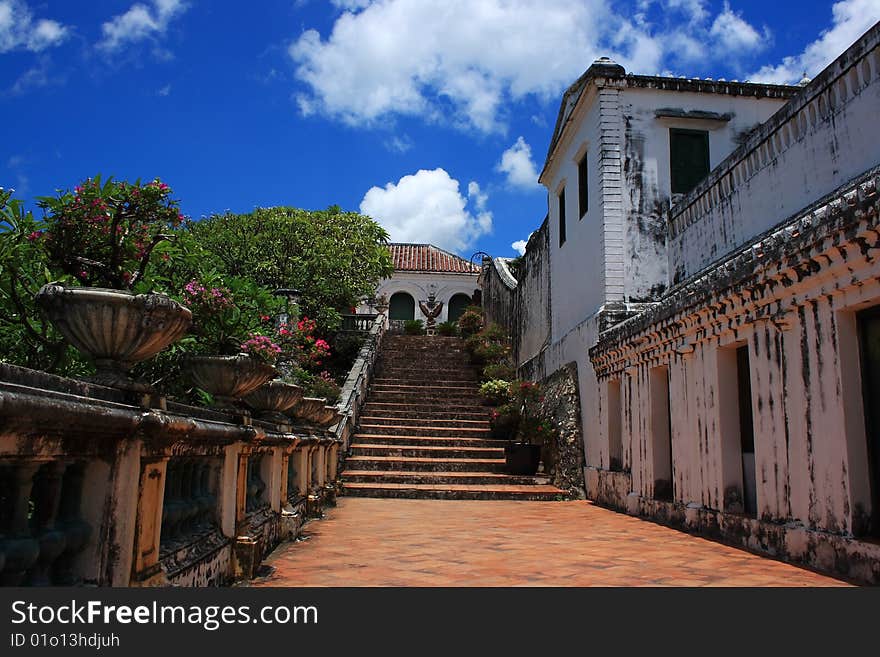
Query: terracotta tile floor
x,y
393,542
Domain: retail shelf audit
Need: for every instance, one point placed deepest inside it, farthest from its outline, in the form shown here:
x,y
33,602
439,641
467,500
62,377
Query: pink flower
x,y
37,234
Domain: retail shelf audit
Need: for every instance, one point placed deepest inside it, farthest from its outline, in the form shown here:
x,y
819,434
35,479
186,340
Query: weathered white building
x,y
727,341
421,270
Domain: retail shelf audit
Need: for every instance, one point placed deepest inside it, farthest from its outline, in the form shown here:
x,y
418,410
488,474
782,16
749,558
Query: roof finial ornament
x,y
804,80
605,67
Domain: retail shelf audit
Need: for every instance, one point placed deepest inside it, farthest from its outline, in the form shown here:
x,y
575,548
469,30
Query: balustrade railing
x,y
190,503
256,487
358,322
41,529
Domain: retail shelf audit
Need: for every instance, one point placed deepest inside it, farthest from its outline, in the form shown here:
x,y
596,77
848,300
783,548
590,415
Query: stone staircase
x,y
424,431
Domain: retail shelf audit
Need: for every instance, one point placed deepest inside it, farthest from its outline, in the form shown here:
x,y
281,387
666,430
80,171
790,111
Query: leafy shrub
x,y
496,392
502,370
471,321
491,352
105,233
504,422
447,328
414,327
494,333
315,385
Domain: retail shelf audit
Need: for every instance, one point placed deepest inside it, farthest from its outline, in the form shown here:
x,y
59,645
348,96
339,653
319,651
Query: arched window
x,y
457,304
401,306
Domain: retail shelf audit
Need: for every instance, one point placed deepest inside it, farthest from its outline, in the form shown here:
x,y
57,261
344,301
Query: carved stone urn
x,y
229,378
271,399
314,410
115,328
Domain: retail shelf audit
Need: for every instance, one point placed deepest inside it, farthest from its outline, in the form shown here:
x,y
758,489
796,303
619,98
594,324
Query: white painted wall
x,y
416,284
646,175
616,252
823,138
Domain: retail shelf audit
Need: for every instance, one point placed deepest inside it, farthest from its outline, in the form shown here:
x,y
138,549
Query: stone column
x,y
146,570
21,549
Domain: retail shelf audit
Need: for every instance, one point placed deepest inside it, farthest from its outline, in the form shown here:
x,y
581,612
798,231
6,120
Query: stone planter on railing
x,y
272,399
314,410
116,329
229,378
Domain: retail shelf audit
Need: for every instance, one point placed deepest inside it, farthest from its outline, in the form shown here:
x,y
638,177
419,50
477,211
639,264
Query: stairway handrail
x,y
358,380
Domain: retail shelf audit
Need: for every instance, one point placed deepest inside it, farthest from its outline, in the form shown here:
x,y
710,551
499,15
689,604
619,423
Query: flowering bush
x,y
216,317
300,346
261,347
104,234
504,421
471,321
315,385
496,391
499,371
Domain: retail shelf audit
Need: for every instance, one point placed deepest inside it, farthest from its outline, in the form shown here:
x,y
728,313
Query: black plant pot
x,y
522,458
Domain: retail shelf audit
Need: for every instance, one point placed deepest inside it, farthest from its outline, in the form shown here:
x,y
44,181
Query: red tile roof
x,y
427,257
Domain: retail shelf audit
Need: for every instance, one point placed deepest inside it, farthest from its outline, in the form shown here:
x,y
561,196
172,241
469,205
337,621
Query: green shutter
x,y
688,158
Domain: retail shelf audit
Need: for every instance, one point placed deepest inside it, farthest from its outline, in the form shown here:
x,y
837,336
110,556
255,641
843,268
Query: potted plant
x,y
504,421
222,364
447,329
523,455
414,327
103,235
495,392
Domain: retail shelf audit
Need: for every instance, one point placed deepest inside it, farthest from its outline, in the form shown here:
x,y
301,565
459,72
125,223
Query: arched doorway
x,y
401,306
457,304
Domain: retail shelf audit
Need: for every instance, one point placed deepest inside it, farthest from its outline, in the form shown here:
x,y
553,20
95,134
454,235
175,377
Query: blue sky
x,y
432,116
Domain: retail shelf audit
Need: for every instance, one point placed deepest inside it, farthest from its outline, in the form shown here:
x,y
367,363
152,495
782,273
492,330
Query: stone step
x,y
391,385
430,406
414,428
426,451
435,431
461,398
422,464
403,477
405,411
430,441
455,491
414,373
423,422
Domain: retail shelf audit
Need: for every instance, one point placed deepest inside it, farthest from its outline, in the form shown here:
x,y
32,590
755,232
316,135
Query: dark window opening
x,y
401,306
457,305
869,346
661,434
615,430
562,217
688,158
746,430
583,188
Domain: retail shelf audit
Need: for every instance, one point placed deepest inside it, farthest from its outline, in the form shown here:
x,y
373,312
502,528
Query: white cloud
x,y
139,23
432,58
520,246
398,143
733,34
517,163
351,5
164,91
19,31
427,207
850,19
464,62
36,77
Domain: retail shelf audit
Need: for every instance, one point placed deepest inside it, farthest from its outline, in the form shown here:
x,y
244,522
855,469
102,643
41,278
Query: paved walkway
x,y
390,542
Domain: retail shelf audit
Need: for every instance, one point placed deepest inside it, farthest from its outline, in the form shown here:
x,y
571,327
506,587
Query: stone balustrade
x,y
103,487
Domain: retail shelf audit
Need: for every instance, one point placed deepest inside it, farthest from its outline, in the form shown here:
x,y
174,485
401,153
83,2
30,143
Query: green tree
x,y
333,257
26,337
